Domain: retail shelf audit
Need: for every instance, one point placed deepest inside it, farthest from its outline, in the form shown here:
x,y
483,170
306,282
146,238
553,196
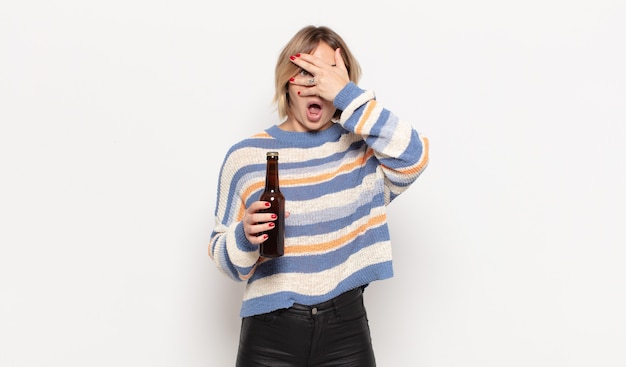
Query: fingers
x,y
254,223
304,81
255,234
312,63
339,60
308,63
305,78
319,78
314,67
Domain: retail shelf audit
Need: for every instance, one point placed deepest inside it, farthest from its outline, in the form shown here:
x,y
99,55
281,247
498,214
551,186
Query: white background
x,y
115,116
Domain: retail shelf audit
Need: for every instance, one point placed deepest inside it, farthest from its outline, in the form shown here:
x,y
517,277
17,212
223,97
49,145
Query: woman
x,y
343,158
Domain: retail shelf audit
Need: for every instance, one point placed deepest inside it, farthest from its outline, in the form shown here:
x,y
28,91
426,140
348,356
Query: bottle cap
x,y
272,154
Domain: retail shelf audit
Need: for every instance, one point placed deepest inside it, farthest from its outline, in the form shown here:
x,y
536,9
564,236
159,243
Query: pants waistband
x,y
342,299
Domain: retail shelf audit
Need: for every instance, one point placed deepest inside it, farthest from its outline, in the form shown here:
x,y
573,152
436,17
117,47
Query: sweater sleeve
x,y
400,149
229,248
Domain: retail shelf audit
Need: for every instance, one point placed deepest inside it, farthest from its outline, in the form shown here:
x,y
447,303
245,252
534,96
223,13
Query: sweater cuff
x,y
347,95
242,242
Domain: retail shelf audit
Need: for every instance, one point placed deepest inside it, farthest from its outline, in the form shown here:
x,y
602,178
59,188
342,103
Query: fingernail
x,y
297,55
271,224
273,216
292,57
265,236
267,204
291,79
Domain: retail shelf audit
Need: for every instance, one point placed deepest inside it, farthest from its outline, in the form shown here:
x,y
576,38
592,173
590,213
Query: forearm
x,y
400,149
233,254
229,248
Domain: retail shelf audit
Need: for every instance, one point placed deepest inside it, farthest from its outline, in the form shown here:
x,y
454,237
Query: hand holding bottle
x,y
264,220
255,223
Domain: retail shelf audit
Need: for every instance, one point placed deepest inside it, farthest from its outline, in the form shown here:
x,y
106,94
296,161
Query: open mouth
x,y
314,111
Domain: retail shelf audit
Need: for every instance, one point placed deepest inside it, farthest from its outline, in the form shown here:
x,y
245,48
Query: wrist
x,y
346,95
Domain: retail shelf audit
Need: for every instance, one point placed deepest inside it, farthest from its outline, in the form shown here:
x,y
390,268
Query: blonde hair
x,y
305,41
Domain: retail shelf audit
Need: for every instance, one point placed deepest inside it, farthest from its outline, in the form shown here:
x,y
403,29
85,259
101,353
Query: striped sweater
x,y
337,183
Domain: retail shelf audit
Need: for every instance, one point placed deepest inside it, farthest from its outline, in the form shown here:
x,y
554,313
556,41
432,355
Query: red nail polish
x,y
267,204
297,55
273,216
271,224
291,79
265,237
292,57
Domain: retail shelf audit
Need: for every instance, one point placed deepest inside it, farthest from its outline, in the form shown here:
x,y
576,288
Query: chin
x,y
317,126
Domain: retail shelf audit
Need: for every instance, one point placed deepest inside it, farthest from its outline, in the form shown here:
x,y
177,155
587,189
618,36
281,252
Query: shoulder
x,y
257,140
249,151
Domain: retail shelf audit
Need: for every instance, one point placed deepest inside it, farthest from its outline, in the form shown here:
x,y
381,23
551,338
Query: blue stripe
x,y
280,300
381,124
316,263
409,157
245,173
349,153
344,182
384,128
354,119
334,218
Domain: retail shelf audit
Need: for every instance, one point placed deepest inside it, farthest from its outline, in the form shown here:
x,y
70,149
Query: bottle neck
x,y
271,174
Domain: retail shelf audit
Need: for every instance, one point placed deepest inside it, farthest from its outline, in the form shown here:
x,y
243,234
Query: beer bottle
x,y
274,245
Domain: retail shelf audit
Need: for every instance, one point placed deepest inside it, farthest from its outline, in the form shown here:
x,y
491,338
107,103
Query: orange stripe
x,y
338,242
421,164
307,180
242,211
425,156
241,276
344,168
366,115
261,260
326,176
246,277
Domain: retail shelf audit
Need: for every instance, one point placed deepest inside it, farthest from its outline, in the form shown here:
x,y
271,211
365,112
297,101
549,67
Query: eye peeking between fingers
x,y
305,73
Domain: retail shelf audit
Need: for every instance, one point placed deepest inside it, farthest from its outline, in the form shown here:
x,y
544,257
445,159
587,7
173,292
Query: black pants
x,y
333,333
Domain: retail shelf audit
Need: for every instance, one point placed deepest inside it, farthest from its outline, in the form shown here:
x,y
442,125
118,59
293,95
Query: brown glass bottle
x,y
274,246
